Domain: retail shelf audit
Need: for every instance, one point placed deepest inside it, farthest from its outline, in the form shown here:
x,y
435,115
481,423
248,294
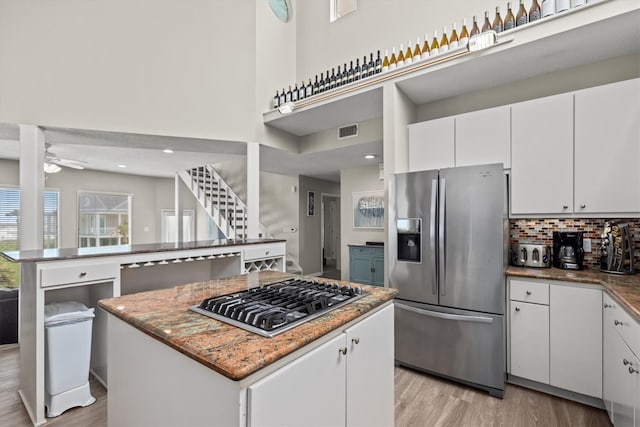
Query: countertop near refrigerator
x,y
625,289
228,350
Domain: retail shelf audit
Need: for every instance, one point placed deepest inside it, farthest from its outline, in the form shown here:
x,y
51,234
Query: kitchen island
x,y
171,366
90,274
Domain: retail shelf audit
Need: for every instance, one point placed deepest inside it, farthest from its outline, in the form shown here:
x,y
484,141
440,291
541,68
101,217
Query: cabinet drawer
x,y
614,316
535,292
56,276
263,251
366,252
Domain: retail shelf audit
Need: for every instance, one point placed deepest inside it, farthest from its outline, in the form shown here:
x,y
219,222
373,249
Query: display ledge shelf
x,y
583,35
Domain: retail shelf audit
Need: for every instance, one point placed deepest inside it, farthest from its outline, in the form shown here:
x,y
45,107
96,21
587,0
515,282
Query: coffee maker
x,y
567,250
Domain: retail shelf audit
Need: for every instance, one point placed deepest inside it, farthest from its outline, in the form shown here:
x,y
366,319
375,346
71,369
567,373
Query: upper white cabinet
x,y
542,156
483,137
607,148
575,339
431,144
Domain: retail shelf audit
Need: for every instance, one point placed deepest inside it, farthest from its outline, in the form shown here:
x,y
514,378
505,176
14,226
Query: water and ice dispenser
x,y
409,239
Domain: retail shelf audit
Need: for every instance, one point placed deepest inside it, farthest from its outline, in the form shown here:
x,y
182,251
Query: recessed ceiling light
x,y
168,151
370,156
122,166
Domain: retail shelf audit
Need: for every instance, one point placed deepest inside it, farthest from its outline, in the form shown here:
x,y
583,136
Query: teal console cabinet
x,y
366,264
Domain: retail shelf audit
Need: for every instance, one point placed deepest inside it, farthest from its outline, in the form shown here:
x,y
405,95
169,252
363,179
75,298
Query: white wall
x,y
311,226
356,179
146,66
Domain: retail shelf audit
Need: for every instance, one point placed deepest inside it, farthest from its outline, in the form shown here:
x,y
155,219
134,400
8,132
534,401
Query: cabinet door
x,y
431,144
619,383
378,271
575,340
360,270
529,338
542,156
607,152
370,371
608,368
308,392
484,137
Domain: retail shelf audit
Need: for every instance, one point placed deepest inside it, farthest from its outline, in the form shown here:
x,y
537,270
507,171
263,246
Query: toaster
x,y
530,255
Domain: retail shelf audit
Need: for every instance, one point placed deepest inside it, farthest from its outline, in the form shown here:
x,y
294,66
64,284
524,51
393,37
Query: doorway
x,y
330,236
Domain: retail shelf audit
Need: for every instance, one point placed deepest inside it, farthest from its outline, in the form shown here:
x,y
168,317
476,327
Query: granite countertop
x,y
75,253
625,289
228,350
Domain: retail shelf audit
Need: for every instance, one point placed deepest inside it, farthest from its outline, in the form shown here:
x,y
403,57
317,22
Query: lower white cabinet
x,y
575,339
558,344
346,381
529,339
621,370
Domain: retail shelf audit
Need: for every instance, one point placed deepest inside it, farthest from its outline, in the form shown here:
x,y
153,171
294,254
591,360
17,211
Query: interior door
x,y
414,196
472,219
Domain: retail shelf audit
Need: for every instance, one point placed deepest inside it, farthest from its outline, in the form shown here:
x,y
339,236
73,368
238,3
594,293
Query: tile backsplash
x,y
540,230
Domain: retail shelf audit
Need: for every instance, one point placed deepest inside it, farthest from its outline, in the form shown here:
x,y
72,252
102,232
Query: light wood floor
x,y
421,400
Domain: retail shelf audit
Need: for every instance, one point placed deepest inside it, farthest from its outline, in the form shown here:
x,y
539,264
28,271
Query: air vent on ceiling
x,y
348,131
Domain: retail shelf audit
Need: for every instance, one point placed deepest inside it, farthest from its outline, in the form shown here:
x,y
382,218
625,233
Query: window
x,y
10,230
103,219
340,8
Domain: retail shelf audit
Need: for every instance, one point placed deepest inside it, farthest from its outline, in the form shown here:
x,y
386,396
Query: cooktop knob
x,y
357,290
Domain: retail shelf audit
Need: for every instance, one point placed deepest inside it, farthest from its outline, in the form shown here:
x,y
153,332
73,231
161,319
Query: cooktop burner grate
x,y
275,308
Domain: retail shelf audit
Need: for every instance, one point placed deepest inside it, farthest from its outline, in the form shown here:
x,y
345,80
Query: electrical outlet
x,y
586,245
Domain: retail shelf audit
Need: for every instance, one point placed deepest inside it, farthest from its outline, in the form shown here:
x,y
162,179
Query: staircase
x,y
223,205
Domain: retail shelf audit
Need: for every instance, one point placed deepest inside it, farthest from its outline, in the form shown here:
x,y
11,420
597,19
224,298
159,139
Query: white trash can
x,y
67,355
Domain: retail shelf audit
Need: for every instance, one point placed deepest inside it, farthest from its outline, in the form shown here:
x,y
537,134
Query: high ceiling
x,y
144,155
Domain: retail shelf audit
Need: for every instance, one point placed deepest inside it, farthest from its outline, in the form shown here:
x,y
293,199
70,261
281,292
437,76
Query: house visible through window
x,y
10,230
103,219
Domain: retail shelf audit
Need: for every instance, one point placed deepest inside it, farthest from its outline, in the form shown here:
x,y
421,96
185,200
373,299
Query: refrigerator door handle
x,y
447,316
442,239
432,236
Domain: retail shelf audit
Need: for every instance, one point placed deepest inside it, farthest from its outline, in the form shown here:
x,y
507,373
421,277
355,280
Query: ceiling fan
x,y
52,162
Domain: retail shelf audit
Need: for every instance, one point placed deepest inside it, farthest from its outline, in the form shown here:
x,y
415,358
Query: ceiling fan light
x,y
51,168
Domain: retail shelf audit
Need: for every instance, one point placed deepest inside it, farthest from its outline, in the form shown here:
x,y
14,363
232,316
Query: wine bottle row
x,y
343,75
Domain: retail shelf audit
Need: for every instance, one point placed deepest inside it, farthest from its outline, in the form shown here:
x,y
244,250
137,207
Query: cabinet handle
x,y
355,340
633,371
528,292
625,362
565,206
517,308
583,206
617,323
266,253
83,273
342,350
607,305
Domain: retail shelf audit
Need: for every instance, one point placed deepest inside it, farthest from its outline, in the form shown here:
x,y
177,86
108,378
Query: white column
x,y
31,187
253,189
178,209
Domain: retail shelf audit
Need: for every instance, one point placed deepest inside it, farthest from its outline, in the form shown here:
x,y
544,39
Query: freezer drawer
x,y
460,344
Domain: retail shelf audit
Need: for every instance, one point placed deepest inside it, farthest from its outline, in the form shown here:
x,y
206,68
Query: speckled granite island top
x,y
623,288
231,351
75,253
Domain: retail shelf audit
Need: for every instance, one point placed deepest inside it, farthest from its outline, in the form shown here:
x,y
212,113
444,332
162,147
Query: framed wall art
x,y
368,209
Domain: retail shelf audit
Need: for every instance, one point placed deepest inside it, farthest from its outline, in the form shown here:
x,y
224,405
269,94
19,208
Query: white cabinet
x,y
607,148
431,144
529,338
346,381
542,156
483,137
575,339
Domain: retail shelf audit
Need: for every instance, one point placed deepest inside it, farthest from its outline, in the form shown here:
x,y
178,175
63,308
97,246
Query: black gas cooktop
x,y
275,308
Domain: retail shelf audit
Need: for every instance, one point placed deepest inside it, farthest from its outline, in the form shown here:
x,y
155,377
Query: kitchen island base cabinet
x,y
350,375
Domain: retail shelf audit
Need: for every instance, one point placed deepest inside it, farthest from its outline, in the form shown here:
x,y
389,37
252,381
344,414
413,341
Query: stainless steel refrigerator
x,y
448,250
